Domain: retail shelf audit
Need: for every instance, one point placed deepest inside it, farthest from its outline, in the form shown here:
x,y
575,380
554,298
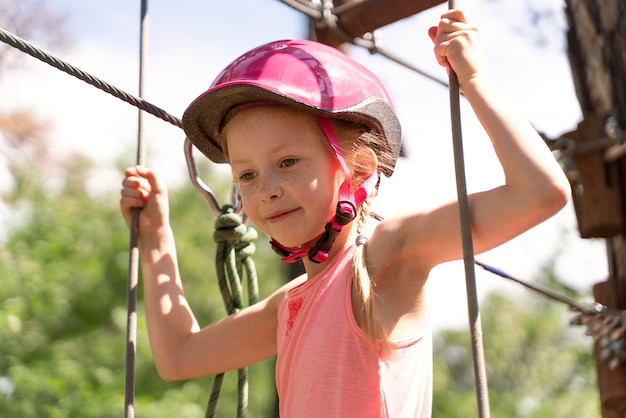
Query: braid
x,y
355,138
364,285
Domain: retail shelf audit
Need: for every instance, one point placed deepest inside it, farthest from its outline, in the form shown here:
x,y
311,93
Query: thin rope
x,y
233,259
543,290
133,263
475,329
607,326
40,54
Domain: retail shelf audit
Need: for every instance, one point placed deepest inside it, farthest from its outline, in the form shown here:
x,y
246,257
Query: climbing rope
x,y
607,326
40,54
232,261
133,257
475,328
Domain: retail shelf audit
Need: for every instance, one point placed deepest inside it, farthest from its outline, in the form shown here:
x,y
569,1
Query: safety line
x,y
475,328
40,54
133,261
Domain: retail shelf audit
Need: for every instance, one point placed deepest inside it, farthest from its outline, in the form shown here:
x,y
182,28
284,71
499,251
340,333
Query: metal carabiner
x,y
204,190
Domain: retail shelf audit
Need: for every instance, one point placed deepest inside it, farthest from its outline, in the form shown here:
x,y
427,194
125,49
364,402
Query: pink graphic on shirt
x,y
294,308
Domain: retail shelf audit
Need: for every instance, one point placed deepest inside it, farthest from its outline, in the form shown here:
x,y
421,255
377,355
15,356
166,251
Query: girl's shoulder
x,y
277,297
402,240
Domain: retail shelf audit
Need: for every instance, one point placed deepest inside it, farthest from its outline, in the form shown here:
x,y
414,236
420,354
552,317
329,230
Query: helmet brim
x,y
203,120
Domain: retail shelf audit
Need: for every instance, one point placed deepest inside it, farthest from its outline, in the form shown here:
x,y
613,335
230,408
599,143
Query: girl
x,y
307,132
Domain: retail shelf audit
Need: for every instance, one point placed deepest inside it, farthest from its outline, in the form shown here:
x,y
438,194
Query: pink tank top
x,y
325,368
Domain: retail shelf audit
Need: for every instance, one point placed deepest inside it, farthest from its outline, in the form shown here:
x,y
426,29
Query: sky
x,y
189,42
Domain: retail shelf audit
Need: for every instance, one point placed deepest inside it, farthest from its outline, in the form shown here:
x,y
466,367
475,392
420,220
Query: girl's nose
x,y
271,188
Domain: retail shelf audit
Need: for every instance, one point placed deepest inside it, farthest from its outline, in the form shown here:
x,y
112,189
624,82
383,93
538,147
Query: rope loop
x,y
233,261
231,230
229,226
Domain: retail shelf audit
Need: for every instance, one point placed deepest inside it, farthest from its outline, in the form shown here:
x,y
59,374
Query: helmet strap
x,y
344,214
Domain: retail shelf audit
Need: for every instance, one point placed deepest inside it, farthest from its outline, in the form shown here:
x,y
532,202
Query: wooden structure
x,y
597,51
357,17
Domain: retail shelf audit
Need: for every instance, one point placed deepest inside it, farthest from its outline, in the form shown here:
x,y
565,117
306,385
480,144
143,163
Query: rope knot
x,y
230,228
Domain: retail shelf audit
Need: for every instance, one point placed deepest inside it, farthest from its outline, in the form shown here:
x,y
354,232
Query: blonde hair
x,y
363,283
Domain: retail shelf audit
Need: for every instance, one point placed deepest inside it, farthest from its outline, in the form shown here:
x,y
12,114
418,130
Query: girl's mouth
x,y
279,215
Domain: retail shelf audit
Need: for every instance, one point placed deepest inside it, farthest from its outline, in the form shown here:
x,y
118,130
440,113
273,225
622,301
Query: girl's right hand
x,y
143,189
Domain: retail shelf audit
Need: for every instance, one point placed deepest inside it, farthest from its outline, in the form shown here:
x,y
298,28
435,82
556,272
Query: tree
x,y
30,19
536,365
62,302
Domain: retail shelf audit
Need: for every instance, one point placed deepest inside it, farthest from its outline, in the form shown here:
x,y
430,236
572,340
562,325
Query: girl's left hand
x,y
457,45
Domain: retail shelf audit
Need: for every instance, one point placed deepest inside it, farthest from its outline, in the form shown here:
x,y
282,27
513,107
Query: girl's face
x,y
288,175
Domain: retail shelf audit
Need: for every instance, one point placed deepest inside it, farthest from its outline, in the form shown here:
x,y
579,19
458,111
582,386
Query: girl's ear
x,y
365,165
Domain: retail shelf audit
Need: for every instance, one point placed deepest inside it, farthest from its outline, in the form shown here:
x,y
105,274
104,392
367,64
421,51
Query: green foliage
x,y
537,366
63,318
63,304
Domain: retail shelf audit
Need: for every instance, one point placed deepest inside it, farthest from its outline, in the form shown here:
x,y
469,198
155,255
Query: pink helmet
x,y
300,73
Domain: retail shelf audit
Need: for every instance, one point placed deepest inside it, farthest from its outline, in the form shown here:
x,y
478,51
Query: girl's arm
x,y
535,186
181,349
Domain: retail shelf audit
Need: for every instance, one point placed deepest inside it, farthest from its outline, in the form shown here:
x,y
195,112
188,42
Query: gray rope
x,y
42,55
606,325
478,356
133,264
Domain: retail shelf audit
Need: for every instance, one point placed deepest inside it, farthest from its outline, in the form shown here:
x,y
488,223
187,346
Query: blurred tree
x,y
34,21
537,366
22,132
62,302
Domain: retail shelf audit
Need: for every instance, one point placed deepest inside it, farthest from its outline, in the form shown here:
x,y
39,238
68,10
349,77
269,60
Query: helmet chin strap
x,y
344,214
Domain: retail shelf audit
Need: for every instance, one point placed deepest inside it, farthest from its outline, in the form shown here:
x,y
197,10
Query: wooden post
x,y
595,185
597,52
611,383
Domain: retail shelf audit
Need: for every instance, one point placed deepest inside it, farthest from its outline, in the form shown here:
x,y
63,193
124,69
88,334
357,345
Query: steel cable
x,y
475,328
133,261
40,54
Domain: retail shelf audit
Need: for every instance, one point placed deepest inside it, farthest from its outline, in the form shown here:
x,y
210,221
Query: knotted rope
x,y
232,261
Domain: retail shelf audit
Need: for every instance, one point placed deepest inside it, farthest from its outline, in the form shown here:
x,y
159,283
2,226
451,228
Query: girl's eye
x,y
246,176
288,162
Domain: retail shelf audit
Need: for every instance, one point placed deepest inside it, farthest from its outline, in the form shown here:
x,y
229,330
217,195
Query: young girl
x,y
307,132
